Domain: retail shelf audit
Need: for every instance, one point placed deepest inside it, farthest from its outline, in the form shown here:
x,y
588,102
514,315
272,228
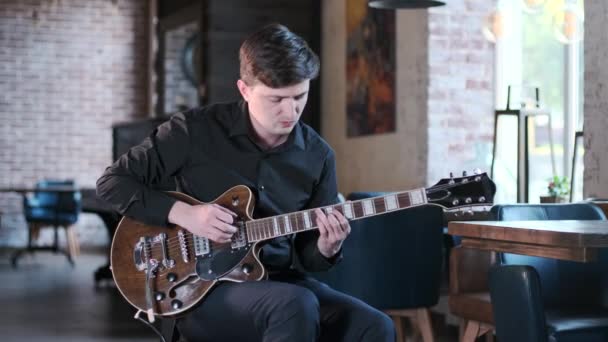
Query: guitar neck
x,y
272,227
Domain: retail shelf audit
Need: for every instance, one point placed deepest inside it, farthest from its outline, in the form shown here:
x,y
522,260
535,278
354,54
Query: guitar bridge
x,y
142,253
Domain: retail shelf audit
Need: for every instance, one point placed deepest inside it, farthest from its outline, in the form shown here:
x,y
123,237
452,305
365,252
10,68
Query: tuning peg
x,y
477,171
451,175
464,173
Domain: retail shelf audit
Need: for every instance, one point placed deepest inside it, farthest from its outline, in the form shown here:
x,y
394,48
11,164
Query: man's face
x,y
274,111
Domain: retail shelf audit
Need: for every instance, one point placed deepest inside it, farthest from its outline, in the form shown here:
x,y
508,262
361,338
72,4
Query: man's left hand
x,y
333,230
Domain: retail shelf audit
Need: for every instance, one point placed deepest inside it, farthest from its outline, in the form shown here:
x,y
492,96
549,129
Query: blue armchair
x,y
48,208
572,293
393,262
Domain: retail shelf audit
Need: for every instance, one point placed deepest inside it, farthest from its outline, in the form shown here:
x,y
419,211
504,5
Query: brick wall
x,y
68,70
461,89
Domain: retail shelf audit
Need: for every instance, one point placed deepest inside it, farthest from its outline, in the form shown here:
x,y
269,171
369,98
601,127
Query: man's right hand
x,y
208,220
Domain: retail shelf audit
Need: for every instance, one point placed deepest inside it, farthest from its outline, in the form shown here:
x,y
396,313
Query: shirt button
x,y
261,187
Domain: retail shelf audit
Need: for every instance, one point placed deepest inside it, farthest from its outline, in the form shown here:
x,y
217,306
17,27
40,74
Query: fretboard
x,y
271,227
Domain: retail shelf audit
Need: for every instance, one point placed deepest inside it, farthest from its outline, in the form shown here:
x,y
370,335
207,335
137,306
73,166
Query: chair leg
x,y
471,331
424,324
72,241
33,231
76,242
33,234
398,321
69,250
56,238
474,329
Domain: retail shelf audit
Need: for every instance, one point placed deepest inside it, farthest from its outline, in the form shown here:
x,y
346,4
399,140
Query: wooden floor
x,y
45,299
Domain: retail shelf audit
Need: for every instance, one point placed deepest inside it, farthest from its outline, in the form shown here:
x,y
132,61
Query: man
x,y
258,142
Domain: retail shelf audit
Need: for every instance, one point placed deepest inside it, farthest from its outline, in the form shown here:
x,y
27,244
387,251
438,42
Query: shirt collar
x,y
242,126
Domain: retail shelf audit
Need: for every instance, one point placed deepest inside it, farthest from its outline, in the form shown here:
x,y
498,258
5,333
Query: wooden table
x,y
26,190
575,240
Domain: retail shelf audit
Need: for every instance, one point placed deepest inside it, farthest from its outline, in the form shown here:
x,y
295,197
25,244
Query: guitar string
x,y
265,225
173,245
171,242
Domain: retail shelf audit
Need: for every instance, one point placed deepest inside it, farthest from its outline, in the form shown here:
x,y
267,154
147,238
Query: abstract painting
x,y
370,69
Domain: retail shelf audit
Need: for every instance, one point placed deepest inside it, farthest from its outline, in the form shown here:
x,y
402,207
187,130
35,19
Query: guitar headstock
x,y
466,191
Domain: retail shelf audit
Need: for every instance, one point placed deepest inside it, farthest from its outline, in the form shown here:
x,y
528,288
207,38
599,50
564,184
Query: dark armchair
x,y
518,307
573,294
49,208
393,262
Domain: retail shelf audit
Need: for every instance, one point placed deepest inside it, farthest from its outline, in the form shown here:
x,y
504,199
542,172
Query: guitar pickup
x,y
239,239
201,246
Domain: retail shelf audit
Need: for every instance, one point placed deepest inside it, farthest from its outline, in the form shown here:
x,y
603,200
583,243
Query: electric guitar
x,y
166,271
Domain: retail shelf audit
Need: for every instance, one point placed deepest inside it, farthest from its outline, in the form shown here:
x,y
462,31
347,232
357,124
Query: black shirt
x,y
210,149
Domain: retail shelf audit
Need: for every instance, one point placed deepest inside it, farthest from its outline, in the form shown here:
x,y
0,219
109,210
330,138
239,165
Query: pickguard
x,y
220,261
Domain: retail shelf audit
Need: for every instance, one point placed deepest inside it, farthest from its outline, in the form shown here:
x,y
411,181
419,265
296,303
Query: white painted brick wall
x,y
68,70
460,98
596,100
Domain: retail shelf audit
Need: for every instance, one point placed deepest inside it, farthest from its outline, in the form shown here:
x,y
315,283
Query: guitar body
x,y
183,268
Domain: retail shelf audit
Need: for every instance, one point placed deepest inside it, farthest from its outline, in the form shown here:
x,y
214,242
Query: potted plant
x,y
558,188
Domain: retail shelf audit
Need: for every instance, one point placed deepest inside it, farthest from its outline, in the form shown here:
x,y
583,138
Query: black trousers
x,y
290,307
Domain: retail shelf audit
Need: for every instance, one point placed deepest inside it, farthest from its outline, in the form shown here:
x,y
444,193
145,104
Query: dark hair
x,y
277,57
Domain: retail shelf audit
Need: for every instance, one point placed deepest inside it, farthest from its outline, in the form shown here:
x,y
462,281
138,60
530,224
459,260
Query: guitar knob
x,y
482,199
159,296
176,304
247,268
172,277
455,202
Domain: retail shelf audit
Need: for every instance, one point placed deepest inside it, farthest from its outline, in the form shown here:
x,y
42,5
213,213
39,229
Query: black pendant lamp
x,y
404,4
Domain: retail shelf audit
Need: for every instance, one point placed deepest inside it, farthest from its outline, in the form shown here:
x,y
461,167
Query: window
x,y
539,44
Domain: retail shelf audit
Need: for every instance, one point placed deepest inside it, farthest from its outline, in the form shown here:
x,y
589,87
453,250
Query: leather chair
x,y
393,262
602,203
573,293
52,209
517,302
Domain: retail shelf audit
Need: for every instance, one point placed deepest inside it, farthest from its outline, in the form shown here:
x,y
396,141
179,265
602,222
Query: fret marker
x,y
307,222
275,226
391,202
287,224
368,207
416,197
348,211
